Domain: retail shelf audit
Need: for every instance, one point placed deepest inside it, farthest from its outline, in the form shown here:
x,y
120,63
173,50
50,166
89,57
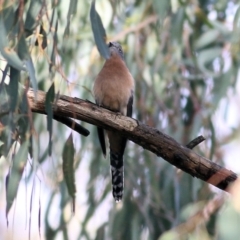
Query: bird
x,y
113,89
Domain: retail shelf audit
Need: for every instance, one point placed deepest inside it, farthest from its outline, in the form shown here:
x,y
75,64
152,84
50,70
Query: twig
x,y
195,142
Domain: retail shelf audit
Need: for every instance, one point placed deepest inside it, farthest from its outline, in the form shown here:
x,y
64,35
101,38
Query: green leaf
x,y
169,235
236,22
71,12
98,32
228,223
31,20
24,55
22,48
13,88
7,14
15,174
4,74
207,38
55,41
32,75
101,232
68,168
48,108
222,84
8,53
177,25
12,58
207,56
161,7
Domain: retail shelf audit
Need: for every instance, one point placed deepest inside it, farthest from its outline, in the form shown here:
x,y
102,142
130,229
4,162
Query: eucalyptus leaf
x,y
162,8
68,168
32,74
48,108
13,88
177,26
228,223
4,74
221,86
22,48
12,58
236,22
15,174
31,21
99,32
207,56
8,53
207,38
7,14
71,12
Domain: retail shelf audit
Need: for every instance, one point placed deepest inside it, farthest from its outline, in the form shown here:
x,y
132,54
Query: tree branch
x,y
149,138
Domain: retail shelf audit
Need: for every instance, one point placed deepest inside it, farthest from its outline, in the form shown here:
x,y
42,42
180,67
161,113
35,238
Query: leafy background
x,y
184,56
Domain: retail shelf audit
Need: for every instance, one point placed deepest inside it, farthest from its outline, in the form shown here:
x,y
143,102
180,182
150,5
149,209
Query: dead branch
x,y
149,138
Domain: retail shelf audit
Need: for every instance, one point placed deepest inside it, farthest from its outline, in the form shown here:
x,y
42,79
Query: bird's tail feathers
x,y
116,162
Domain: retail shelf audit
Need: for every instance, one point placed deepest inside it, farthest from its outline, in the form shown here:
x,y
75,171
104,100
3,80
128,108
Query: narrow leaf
x,y
13,87
39,218
68,168
32,75
12,58
7,14
55,40
4,74
8,53
30,212
48,108
32,14
98,32
208,55
71,12
207,38
22,48
24,121
15,174
236,22
177,25
161,7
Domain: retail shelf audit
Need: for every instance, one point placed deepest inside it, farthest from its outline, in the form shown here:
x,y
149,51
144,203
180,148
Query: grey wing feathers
x,y
129,106
101,138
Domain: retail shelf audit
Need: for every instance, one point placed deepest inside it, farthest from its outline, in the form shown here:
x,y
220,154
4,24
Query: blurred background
x,y
184,56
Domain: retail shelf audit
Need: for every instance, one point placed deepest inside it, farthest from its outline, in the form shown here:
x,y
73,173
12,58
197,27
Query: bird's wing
x,y
101,138
129,106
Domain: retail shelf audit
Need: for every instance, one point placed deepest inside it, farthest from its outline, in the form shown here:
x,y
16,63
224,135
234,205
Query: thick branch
x,y
143,135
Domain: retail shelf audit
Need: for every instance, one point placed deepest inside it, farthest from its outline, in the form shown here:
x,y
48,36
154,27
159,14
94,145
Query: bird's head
x,y
115,48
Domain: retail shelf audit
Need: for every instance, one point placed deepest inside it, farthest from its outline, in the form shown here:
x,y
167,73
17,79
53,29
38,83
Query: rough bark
x,y
149,138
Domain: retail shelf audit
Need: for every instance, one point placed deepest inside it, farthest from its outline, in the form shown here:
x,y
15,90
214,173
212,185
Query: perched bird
x,y
113,89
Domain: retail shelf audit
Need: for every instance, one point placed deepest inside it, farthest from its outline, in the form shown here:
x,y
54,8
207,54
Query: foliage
x,y
184,57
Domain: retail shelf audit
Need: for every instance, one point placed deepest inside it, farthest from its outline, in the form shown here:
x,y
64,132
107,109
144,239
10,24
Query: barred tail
x,y
116,162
